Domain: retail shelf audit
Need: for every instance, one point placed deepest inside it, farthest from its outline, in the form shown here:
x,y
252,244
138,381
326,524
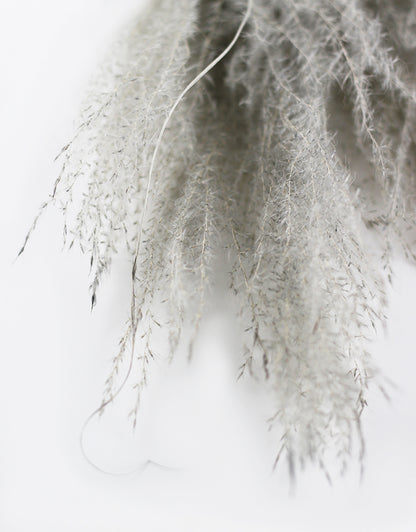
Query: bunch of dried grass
x,y
302,135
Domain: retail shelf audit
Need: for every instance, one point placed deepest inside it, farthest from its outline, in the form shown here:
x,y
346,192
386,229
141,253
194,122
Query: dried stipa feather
x,y
297,138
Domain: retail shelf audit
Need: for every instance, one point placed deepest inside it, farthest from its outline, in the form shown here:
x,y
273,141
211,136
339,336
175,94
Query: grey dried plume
x,y
299,138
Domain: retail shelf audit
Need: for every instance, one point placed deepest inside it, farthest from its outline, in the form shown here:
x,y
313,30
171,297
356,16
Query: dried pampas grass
x,y
299,139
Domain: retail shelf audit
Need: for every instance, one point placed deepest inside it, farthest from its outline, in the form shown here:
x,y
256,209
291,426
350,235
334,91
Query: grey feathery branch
x,y
299,136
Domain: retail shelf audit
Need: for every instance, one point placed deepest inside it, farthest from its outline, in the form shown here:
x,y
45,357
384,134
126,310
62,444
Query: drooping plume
x,y
301,137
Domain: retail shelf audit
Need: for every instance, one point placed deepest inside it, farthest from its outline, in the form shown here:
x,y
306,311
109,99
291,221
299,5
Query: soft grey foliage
x,y
299,138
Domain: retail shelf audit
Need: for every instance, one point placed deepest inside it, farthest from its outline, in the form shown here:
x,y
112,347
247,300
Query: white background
x,y
197,419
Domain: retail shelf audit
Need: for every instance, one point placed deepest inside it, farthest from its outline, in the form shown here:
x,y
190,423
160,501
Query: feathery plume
x,y
300,138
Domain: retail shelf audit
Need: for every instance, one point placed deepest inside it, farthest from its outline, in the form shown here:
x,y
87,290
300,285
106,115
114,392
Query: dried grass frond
x,y
302,135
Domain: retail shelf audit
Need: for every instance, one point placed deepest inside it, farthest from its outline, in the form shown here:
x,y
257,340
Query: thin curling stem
x,y
134,322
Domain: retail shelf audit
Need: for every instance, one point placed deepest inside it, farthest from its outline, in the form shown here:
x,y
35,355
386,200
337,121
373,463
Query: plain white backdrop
x,y
197,419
